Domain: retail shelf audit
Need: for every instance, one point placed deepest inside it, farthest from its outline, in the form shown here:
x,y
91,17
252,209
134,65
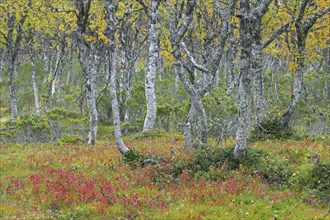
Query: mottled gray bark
x,y
35,85
2,63
257,72
12,92
13,45
188,127
150,119
196,100
115,107
54,66
113,72
302,29
232,82
89,60
249,29
91,85
128,87
69,66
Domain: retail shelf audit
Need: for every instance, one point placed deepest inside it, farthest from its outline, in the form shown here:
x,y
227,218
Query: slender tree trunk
x,y
35,86
232,82
295,98
129,82
257,73
113,87
115,107
59,83
69,67
13,45
2,62
187,130
91,85
13,97
196,99
150,119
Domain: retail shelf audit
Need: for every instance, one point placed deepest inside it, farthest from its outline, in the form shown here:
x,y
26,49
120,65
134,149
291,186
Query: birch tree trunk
x,y
249,29
13,45
35,85
12,91
113,87
150,119
232,82
114,103
257,73
302,29
91,85
89,61
187,130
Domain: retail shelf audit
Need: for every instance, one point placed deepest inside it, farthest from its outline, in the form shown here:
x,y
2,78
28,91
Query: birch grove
x,y
207,70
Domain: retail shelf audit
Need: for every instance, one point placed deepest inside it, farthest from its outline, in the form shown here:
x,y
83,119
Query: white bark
x,y
113,94
150,119
115,108
13,97
35,86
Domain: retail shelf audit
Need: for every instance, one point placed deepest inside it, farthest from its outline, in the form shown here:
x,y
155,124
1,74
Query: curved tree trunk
x,y
113,87
114,103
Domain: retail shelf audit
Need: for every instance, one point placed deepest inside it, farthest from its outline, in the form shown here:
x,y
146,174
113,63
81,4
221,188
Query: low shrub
x,y
271,128
69,139
28,128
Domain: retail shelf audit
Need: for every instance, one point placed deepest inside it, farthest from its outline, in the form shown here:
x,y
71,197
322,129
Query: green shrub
x,y
69,139
275,171
155,133
271,128
313,180
64,122
30,128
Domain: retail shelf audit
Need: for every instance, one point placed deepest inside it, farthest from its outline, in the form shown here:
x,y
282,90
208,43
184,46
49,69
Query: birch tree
x,y
303,26
207,65
150,118
34,83
249,18
112,23
12,23
89,42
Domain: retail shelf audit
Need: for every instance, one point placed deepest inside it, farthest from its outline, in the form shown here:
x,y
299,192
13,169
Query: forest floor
x,y
44,181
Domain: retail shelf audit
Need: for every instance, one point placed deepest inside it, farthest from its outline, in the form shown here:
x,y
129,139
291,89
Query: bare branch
x,y
277,33
192,59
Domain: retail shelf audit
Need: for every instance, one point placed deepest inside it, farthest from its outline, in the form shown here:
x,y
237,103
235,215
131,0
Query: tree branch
x,y
277,33
192,59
